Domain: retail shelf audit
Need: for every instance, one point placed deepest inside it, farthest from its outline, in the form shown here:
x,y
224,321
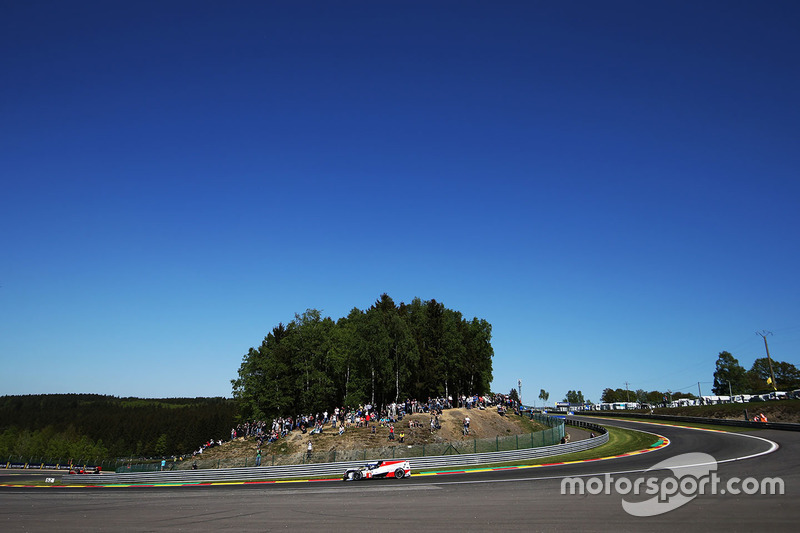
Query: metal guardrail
x,y
785,426
328,469
338,468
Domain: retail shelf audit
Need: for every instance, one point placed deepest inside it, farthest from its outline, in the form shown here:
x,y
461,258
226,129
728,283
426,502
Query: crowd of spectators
x,y
364,416
206,445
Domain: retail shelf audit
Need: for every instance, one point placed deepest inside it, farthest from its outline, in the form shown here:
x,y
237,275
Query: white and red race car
x,y
379,469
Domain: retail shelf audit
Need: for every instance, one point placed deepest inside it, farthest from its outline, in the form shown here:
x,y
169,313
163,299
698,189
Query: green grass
x,y
619,441
730,410
526,424
693,425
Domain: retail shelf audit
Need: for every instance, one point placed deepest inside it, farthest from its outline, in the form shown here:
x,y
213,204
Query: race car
x,y
379,469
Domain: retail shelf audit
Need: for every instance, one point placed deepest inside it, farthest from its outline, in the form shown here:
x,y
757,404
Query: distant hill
x,y
72,425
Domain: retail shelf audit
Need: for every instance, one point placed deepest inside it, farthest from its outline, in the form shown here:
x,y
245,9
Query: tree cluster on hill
x,y
97,426
385,354
730,376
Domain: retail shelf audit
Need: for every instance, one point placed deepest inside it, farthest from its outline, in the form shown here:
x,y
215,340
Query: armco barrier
x,y
694,419
338,468
329,469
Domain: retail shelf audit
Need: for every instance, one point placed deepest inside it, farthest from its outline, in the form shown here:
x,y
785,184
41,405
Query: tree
x,y
384,354
513,395
614,395
575,398
656,397
608,396
544,395
729,376
787,376
641,395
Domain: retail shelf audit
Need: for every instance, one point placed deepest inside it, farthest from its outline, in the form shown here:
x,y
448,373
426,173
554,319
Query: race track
x,y
518,500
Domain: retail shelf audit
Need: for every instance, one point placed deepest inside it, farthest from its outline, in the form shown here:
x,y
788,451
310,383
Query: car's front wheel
x,y
399,473
356,476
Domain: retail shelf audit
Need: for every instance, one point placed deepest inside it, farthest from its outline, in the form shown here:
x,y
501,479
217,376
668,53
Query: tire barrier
x,y
337,469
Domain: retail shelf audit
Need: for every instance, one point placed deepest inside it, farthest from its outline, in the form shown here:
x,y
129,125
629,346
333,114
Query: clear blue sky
x,y
614,186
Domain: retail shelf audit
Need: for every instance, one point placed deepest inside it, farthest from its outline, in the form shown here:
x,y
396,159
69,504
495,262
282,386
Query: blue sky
x,y
614,186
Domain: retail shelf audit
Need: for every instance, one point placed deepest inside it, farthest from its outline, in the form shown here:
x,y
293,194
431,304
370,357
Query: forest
x,y
92,425
384,354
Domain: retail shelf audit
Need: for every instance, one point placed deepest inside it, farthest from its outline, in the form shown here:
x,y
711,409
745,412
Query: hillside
x,y
93,425
483,424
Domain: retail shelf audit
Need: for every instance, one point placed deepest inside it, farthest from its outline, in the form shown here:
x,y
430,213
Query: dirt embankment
x,y
483,424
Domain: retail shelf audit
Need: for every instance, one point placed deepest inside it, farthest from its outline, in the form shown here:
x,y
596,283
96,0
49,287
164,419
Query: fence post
x,y
517,441
497,443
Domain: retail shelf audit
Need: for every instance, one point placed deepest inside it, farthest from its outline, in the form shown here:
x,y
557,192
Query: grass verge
x,y
620,441
719,427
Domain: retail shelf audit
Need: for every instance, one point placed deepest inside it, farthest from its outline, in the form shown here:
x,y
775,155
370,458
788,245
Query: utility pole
x,y
763,334
627,393
699,394
519,386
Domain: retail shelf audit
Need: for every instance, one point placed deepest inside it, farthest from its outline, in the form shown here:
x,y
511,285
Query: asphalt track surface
x,y
510,500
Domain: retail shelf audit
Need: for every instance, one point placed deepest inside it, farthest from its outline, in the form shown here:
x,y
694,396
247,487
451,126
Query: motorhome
x,y
713,400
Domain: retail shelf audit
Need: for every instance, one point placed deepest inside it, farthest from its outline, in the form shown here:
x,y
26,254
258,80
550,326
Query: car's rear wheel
x,y
399,473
